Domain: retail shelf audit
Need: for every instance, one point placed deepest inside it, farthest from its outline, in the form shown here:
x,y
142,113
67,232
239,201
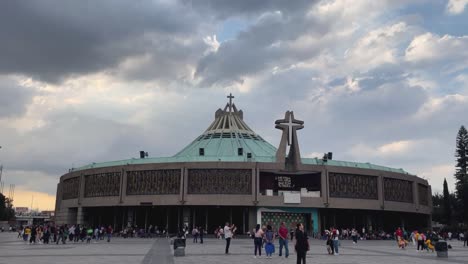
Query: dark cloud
x,y
225,8
14,98
51,40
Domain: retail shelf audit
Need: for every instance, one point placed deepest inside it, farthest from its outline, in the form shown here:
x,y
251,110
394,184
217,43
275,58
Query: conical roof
x,y
229,138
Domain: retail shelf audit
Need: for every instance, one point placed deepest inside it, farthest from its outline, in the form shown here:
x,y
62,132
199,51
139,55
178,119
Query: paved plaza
x,y
150,251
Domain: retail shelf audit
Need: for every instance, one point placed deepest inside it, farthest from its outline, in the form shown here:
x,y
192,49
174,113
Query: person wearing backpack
x,y
420,239
269,241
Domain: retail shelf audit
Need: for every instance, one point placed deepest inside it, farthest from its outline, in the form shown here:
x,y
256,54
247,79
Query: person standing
x,y
302,244
201,230
465,242
258,240
228,230
336,241
269,241
195,234
354,235
109,233
283,240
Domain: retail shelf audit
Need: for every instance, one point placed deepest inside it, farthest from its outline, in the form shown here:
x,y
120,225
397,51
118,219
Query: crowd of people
x,y
425,241
46,234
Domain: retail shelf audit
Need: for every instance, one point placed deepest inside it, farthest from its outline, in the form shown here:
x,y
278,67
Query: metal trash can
x,y
179,247
441,249
179,242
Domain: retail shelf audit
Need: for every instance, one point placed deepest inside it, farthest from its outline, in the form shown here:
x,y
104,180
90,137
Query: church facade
x,y
231,174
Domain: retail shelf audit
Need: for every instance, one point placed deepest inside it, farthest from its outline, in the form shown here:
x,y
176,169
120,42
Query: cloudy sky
x,y
384,81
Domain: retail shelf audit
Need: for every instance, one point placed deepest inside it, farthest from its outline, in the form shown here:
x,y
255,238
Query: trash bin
x,y
441,249
179,247
179,242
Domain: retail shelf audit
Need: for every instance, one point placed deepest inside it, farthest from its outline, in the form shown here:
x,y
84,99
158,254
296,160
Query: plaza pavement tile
x,y
151,251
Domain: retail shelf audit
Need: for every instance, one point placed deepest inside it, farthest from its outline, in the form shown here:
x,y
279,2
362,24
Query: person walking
x,y
283,240
465,242
258,240
32,239
302,244
228,231
269,241
26,233
420,238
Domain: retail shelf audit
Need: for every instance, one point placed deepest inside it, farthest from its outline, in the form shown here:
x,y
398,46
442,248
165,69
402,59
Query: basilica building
x,y
231,174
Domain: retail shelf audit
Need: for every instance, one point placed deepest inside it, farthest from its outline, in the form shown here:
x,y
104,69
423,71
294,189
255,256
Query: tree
x,y
437,204
447,205
6,208
461,186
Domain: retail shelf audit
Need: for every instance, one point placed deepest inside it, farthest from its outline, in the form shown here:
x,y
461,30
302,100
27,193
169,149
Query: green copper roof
x,y
311,161
230,137
360,165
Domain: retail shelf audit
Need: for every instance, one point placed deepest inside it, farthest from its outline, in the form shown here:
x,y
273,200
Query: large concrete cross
x,y
230,96
290,124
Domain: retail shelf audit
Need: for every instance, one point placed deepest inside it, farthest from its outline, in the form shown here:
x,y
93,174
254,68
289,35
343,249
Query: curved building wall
x,y
237,184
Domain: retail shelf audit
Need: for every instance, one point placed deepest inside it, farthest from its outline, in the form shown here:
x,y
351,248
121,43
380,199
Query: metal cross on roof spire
x,y
230,96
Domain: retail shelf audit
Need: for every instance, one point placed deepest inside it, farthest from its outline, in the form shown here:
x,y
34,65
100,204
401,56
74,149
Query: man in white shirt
x,y
228,235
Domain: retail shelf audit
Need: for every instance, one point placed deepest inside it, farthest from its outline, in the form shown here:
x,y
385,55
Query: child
x,y
402,243
429,245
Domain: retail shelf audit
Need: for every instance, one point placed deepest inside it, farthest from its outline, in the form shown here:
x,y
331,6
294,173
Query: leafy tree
x,y
437,204
447,205
461,186
6,208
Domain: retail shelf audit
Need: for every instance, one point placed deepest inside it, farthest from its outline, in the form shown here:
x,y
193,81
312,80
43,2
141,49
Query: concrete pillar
x,y
252,218
206,219
380,191
82,189
414,185
123,184
80,216
186,217
324,185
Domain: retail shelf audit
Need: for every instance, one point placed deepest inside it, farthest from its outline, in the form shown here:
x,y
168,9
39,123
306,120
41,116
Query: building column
x,y
380,191
415,195
80,216
206,219
81,193
324,185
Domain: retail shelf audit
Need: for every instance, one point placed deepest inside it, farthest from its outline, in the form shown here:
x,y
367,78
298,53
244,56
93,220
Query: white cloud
x,y
378,47
435,174
369,86
212,43
456,7
384,150
430,48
